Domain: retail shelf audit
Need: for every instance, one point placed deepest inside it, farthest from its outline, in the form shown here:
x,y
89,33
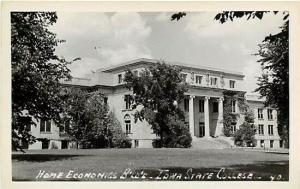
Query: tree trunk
x,y
161,138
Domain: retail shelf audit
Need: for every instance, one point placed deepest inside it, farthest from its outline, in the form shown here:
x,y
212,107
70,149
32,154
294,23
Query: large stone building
x,y
203,106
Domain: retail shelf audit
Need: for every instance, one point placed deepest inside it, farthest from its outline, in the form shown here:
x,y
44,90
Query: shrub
x,y
156,143
245,134
118,138
179,135
121,142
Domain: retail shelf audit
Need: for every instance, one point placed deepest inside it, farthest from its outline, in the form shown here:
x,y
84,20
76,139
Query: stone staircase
x,y
212,143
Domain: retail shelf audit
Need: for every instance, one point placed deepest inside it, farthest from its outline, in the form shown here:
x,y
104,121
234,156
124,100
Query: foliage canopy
x,y
36,71
157,90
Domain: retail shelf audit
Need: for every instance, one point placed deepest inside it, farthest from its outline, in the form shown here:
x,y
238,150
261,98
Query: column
x,y
191,115
206,116
220,117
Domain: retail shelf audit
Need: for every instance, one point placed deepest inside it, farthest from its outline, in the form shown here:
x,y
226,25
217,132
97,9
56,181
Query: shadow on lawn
x,y
42,157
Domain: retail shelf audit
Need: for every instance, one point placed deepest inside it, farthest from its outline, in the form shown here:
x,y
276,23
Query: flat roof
x,y
153,61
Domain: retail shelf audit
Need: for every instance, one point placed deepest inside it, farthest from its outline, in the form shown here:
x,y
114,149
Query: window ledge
x,y
45,132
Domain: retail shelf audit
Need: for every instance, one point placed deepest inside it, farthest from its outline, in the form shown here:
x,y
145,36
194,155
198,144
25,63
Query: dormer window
x,y
120,78
231,84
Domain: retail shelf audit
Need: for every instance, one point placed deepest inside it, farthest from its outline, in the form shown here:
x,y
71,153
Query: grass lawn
x,y
148,164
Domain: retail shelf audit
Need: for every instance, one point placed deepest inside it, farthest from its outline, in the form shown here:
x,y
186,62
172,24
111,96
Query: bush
x,y
121,142
245,135
118,138
179,135
156,143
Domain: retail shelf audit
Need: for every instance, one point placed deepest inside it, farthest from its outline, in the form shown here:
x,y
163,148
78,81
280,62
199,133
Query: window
x,y
271,143
62,128
270,129
183,76
270,114
260,113
262,143
198,79
231,84
233,127
127,124
120,78
215,107
45,125
213,80
136,72
105,100
65,127
201,105
281,143
261,129
233,102
186,105
136,143
128,101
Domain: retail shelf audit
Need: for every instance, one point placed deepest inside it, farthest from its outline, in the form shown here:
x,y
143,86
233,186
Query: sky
x,y
103,39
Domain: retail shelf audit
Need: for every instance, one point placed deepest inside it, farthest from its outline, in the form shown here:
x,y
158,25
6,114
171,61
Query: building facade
x,y
203,107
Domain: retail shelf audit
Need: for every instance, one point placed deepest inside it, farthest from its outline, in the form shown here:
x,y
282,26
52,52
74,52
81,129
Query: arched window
x,y
127,120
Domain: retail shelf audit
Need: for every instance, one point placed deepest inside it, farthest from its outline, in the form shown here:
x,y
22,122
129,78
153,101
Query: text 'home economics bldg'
x,y
203,107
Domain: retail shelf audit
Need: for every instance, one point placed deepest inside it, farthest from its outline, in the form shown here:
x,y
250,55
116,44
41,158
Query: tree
x,y
118,138
36,72
155,94
274,60
245,135
91,123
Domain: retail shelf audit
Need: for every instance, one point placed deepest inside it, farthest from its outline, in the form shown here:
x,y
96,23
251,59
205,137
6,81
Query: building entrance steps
x,y
210,143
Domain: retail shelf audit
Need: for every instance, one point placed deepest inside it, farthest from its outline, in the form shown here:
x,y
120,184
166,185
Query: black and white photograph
x,y
150,95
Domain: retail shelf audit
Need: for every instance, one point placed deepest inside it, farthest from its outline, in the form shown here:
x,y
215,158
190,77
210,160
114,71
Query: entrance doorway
x,y
201,129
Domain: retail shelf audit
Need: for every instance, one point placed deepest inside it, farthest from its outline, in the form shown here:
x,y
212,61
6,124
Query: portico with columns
x,y
204,115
